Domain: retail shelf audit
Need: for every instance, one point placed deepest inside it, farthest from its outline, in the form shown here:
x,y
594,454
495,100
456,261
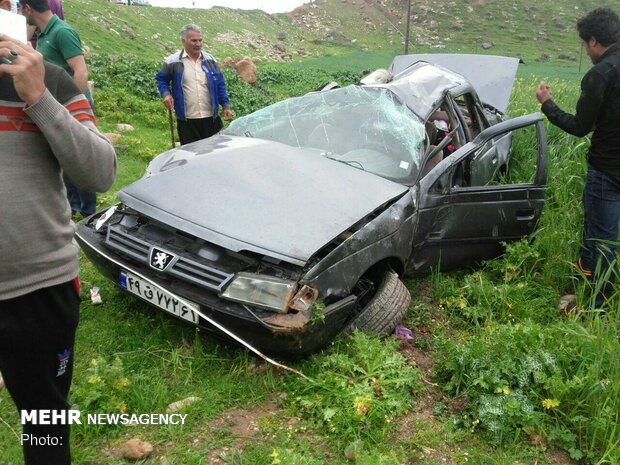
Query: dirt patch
x,y
241,424
560,457
418,357
421,417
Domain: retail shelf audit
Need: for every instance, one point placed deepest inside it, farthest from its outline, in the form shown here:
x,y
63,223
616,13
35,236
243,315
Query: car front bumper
x,y
280,334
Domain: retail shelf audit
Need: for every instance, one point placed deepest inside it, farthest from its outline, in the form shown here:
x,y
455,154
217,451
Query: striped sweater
x,y
38,143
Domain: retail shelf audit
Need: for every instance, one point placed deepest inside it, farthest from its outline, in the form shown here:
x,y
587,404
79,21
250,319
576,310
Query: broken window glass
x,y
364,127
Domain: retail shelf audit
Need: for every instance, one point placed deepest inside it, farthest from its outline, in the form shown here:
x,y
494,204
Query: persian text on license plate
x,y
158,296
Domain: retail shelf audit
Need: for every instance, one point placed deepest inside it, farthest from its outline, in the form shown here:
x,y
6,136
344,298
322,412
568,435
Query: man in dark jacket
x,y
598,110
191,83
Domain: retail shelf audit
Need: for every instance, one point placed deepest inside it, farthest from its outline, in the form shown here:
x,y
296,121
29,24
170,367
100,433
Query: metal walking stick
x,y
171,124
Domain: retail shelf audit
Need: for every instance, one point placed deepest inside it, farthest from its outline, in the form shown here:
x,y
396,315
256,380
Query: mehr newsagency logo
x,y
68,417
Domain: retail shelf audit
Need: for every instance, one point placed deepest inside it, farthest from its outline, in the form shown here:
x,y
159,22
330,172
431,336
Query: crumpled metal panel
x,y
422,87
260,196
491,76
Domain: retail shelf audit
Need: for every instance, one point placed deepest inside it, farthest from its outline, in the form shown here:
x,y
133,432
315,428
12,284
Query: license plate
x,y
158,297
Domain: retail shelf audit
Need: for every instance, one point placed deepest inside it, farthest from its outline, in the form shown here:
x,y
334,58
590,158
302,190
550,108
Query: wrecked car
x,y
297,222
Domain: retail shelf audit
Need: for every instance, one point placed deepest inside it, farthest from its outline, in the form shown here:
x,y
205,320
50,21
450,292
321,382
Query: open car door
x,y
465,215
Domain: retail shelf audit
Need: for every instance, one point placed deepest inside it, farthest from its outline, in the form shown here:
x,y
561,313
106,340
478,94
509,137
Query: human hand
x,y
25,68
228,114
169,102
543,93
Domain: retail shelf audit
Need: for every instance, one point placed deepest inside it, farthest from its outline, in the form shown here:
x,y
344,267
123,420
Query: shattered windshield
x,y
364,127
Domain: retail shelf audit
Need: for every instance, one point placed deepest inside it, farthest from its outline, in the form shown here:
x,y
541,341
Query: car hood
x,y
259,196
492,76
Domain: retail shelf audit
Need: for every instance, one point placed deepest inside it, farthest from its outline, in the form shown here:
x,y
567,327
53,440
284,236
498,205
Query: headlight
x,y
262,291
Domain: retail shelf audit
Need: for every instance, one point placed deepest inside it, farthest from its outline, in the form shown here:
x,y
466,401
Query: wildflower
x,y
550,403
503,390
94,379
275,457
473,425
121,383
362,405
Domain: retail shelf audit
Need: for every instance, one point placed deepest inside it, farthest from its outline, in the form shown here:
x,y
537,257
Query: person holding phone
x,y
46,128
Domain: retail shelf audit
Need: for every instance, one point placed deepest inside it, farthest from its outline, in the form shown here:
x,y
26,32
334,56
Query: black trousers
x,y
192,130
37,333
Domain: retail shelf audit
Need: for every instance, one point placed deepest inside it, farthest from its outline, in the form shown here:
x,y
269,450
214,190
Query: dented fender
x,y
388,236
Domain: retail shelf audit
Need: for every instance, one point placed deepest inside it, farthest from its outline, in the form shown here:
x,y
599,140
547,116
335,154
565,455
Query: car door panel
x,y
461,225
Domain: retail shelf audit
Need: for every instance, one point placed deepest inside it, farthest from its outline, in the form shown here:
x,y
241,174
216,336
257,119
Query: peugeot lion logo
x,y
160,260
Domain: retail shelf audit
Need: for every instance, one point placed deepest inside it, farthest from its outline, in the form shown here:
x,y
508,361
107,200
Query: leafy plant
x,y
359,387
103,387
527,378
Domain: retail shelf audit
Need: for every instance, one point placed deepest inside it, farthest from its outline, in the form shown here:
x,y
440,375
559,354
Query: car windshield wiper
x,y
248,134
353,163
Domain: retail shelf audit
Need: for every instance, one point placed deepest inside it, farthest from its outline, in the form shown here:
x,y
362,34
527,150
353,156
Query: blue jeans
x,y
601,206
81,200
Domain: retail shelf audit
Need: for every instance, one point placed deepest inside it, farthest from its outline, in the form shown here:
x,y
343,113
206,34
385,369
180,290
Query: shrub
x,y
358,388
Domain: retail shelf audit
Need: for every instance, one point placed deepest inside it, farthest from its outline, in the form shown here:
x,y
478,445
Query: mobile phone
x,y
13,25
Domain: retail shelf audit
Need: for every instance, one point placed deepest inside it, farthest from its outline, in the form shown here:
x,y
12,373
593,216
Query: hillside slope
x,y
525,28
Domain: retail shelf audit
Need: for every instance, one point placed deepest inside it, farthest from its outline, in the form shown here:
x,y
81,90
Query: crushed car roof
x,y
491,76
423,86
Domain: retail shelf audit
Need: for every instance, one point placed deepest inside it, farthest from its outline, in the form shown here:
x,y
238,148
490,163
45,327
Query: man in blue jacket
x,y
192,85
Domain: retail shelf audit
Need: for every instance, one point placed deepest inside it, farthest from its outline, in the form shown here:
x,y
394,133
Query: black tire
x,y
385,310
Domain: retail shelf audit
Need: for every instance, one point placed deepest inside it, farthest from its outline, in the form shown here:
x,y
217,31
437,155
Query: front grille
x,y
185,268
129,245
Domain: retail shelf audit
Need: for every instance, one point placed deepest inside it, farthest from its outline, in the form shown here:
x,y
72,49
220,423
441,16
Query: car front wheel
x,y
385,309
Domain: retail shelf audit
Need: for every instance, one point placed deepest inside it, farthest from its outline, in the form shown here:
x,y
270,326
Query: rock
x,y
124,127
457,26
229,62
352,451
135,449
487,45
179,404
247,70
129,31
1,382
112,137
544,58
566,301
562,56
522,37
